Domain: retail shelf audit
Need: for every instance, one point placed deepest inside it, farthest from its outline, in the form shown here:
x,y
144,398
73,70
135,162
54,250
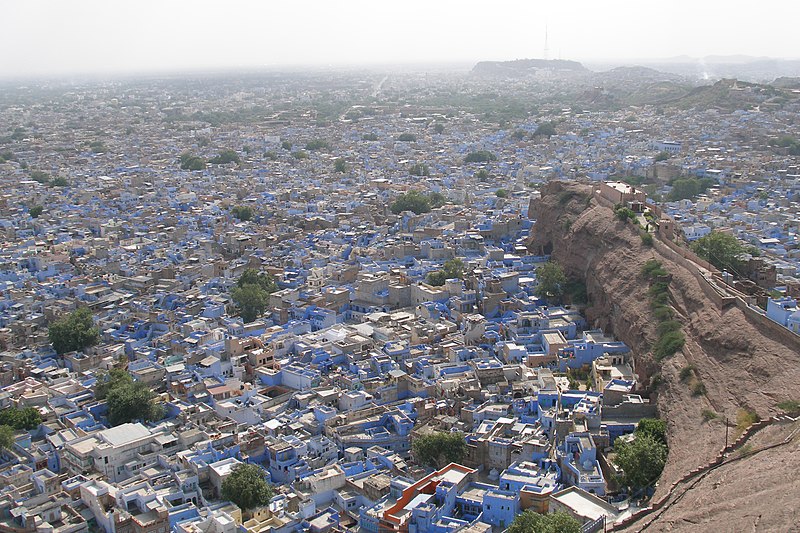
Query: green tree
x,y
251,294
6,437
107,381
518,135
243,212
41,177
97,147
661,156
501,193
547,129
20,418
411,201
641,460
532,522
452,268
225,157
655,427
721,250
60,181
419,169
624,213
75,331
438,128
247,487
300,154
481,156
552,281
407,137
35,211
439,449
130,400
437,199
250,301
340,165
271,155
317,144
369,137
252,276
685,188
191,162
482,175
286,145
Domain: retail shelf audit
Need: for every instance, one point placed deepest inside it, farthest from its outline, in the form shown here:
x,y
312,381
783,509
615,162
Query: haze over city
x,y
392,267
48,38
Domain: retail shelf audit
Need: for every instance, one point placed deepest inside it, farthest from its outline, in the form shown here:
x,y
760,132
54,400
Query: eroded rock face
x,y
740,362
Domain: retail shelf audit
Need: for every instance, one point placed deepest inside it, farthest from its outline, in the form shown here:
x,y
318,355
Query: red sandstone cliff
x,y
742,362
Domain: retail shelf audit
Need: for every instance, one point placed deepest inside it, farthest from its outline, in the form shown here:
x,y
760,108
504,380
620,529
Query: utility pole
x,y
726,433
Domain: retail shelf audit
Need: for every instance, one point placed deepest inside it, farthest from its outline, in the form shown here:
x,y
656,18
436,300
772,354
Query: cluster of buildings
x,y
355,357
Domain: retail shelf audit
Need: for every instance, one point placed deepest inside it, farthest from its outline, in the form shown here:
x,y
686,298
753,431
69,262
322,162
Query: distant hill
x,y
754,69
786,83
524,67
731,94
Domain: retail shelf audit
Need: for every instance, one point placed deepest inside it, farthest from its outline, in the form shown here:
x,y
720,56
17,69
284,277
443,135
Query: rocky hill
x,y
524,67
741,362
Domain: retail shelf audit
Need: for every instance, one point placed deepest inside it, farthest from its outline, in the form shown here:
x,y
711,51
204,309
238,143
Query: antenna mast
x,y
546,47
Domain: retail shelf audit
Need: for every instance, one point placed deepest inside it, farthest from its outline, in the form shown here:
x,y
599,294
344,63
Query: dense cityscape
x,y
335,301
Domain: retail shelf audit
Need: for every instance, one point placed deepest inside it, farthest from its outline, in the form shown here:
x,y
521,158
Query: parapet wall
x,y
700,470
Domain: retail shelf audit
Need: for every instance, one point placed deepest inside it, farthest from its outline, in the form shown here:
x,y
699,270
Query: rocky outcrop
x,y
741,362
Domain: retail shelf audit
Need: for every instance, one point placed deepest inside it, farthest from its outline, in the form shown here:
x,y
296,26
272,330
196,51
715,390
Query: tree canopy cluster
x,y
642,459
547,129
501,193
247,487
437,199
35,211
40,176
452,268
655,427
439,449
721,250
20,418
624,213
242,212
190,161
407,137
532,522
685,188
73,332
6,437
225,157
414,201
317,144
481,156
552,281
482,175
127,400
251,293
97,147
419,169
791,144
340,165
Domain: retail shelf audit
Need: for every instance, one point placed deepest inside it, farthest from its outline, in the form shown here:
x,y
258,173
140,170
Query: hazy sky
x,y
80,36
